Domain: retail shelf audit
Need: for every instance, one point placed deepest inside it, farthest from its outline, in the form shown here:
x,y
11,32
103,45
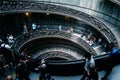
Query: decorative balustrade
x,y
20,6
36,34
33,6
55,54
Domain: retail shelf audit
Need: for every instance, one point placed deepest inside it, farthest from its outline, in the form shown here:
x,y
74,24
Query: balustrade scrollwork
x,y
36,34
13,6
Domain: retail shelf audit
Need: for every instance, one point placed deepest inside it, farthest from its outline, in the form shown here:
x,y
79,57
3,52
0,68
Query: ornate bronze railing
x,y
31,6
36,34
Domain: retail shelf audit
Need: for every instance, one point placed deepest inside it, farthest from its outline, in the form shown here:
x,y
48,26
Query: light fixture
x,y
27,14
47,13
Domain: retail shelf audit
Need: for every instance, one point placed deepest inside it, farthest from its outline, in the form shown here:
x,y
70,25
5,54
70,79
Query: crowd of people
x,y
89,37
6,53
22,67
91,71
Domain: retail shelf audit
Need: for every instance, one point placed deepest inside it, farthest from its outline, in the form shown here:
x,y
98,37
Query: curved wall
x,y
104,9
20,6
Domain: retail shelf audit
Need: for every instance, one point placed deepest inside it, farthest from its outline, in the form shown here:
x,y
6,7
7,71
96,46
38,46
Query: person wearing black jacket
x,y
22,71
7,54
2,70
